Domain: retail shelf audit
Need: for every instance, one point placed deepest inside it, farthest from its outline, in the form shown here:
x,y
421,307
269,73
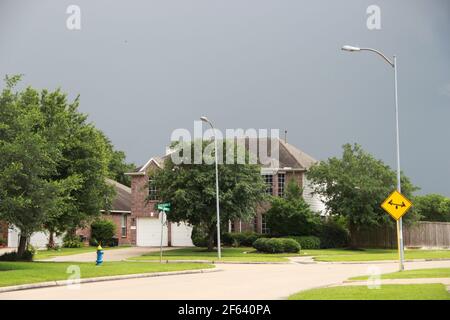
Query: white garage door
x,y
37,240
148,233
181,235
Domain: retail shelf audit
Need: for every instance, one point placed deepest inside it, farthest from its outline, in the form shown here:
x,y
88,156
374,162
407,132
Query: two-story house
x,y
145,227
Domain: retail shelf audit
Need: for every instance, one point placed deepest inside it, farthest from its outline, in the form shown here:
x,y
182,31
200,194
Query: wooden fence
x,y
421,234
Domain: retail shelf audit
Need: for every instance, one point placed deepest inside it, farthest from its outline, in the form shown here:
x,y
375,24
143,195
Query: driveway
x,y
5,250
244,281
109,255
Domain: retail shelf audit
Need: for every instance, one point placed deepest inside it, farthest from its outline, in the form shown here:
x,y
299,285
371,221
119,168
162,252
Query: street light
x,y
393,64
205,119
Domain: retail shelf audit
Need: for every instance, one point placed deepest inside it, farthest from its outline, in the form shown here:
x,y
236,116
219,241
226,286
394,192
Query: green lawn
x,y
228,254
336,255
413,274
47,254
386,292
14,273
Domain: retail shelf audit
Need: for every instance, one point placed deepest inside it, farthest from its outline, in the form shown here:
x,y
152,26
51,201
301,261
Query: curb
x,y
60,283
381,261
213,262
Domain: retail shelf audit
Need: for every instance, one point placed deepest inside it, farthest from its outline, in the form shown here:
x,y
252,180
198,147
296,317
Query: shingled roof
x,y
122,199
289,157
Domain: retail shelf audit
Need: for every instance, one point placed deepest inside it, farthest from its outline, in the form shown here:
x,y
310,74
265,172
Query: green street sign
x,y
164,206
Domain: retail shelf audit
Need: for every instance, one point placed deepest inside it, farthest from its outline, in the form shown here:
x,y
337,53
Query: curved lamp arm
x,y
354,49
380,54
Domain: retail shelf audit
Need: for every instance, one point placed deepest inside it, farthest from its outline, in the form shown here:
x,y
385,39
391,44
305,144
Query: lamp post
x,y
393,64
219,253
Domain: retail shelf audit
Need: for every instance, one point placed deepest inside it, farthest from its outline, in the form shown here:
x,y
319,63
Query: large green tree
x,y
29,154
432,207
355,185
53,164
190,188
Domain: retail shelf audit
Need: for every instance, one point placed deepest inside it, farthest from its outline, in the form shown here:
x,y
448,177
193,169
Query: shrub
x,y
260,244
3,242
72,241
241,239
55,247
13,256
276,245
199,237
227,238
102,232
334,234
291,215
307,242
290,246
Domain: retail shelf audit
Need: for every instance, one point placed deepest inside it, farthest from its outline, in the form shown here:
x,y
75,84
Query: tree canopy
x,y
355,185
118,165
190,188
53,164
432,207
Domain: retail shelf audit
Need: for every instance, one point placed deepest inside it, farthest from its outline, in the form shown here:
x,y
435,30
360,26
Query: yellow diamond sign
x,y
396,205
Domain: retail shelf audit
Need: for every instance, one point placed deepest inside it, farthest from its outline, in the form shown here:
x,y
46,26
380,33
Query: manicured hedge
x,y
276,245
307,242
241,239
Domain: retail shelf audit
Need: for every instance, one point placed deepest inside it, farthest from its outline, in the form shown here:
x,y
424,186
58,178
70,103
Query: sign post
x,y
163,208
397,205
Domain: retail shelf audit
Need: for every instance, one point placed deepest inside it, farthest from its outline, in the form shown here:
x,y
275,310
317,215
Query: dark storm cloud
x,y
144,68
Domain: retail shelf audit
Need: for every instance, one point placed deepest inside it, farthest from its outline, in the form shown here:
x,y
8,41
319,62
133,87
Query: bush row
x,y
241,239
234,239
276,245
307,242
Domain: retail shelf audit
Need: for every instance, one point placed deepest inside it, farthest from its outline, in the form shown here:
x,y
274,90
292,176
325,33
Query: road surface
x,y
234,281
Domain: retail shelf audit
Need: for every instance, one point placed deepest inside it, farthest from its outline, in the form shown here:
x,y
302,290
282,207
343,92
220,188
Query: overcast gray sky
x,y
144,68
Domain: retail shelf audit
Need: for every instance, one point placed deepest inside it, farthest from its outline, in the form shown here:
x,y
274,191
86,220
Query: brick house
x,y
137,221
145,223
292,164
145,226
119,214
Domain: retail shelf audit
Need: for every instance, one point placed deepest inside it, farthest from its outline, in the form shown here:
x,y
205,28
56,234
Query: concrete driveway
x,y
109,255
5,250
244,281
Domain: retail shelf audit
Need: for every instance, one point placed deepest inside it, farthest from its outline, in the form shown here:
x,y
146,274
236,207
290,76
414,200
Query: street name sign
x,y
164,206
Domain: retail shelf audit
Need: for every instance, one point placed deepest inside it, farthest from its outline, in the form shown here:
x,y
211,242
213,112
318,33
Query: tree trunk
x,y
51,240
211,237
352,229
211,241
22,245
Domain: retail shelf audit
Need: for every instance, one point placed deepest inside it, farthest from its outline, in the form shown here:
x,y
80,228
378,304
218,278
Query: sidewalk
x,y
445,281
